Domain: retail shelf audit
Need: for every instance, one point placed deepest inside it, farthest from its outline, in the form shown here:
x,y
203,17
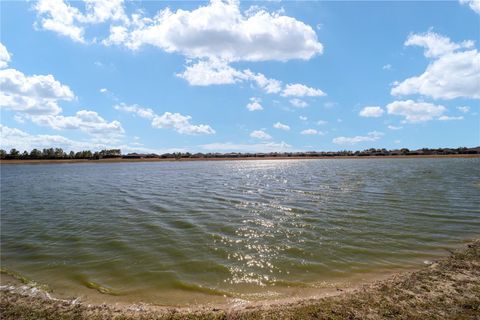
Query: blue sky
x,y
239,76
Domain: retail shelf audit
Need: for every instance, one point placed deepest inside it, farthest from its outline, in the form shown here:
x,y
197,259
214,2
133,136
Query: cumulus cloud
x,y
300,90
180,124
87,121
211,36
36,95
238,147
310,132
371,112
415,112
36,98
66,20
254,105
450,118
217,72
20,140
464,109
146,113
211,72
260,134
264,83
4,56
281,126
176,121
297,103
435,45
371,136
454,71
395,127
220,30
303,118
473,4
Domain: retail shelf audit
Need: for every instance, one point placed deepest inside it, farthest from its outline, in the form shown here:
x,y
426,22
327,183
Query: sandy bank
x,y
447,289
2,162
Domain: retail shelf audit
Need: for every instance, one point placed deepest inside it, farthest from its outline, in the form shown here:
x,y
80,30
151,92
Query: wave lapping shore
x,y
446,289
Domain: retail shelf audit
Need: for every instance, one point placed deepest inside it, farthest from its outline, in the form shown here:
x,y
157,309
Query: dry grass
x,y
447,289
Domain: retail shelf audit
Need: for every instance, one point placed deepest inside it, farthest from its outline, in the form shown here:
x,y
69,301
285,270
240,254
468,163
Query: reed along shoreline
x,y
448,288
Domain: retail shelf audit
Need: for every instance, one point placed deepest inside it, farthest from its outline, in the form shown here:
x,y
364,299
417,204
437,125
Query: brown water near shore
x,y
446,289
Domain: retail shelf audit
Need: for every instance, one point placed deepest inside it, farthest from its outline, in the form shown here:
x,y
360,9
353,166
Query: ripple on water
x,y
164,232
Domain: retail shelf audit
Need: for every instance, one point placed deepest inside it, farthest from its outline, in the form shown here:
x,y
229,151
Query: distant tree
x,y
59,154
48,153
404,151
71,155
35,154
3,154
14,153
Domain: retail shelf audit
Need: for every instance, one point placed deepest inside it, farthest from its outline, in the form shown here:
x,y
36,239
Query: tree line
x,y
58,153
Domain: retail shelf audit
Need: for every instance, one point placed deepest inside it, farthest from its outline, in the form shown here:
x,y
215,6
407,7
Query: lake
x,y
178,233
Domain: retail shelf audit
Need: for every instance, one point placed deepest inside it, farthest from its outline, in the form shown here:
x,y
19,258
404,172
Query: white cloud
x,y
464,109
69,21
168,120
260,134
309,132
473,4
387,67
220,30
300,90
20,140
87,121
4,56
303,118
450,118
297,103
103,90
15,138
435,45
415,112
322,122
281,126
211,72
180,124
264,83
217,72
254,105
37,94
371,112
371,136
395,127
451,74
257,147
146,113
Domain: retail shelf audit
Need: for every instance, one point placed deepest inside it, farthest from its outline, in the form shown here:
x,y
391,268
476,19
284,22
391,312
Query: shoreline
x,y
447,288
66,161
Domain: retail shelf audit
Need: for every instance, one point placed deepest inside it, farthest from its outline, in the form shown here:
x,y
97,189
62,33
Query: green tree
x,y
14,153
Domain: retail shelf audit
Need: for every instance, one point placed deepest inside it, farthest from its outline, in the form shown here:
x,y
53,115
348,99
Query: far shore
x,y
123,160
445,289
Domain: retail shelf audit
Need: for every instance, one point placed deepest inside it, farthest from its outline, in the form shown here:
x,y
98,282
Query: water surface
x,y
189,232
